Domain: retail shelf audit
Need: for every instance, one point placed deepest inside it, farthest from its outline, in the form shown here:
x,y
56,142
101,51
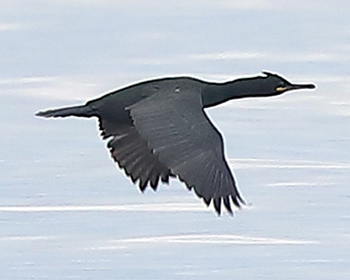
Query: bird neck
x,y
217,93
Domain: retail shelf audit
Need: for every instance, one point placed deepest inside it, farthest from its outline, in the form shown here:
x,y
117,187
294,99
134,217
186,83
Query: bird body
x,y
158,129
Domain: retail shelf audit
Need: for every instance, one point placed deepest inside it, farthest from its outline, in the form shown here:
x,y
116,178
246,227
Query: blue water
x,y
66,211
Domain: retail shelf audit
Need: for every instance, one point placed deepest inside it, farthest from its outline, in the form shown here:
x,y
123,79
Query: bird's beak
x,y
295,86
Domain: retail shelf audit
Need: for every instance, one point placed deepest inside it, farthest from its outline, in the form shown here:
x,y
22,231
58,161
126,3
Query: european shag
x,y
158,129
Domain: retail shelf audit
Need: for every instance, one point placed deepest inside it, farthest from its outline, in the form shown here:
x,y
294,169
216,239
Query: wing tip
x,y
236,200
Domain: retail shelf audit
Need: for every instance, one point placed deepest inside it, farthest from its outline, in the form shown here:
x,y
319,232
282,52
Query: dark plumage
x,y
158,129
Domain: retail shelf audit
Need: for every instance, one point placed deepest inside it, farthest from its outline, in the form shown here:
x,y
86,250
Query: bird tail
x,y
77,111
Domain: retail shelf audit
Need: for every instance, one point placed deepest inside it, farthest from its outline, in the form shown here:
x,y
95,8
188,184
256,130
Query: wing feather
x,y
133,155
180,134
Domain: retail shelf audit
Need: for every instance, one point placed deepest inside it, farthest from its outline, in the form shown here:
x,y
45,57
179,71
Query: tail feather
x,y
78,111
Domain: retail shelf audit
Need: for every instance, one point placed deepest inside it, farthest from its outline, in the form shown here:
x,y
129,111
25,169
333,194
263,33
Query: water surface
x,y
66,211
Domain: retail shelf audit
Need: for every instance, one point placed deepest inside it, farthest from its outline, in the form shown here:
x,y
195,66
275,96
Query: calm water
x,y
66,212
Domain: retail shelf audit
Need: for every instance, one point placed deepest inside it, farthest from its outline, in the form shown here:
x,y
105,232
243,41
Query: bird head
x,y
275,84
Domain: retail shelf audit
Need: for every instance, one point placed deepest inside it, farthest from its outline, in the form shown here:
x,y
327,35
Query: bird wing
x,y
132,154
179,133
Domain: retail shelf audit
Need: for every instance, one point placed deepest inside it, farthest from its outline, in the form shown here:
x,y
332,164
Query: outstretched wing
x,y
180,134
132,154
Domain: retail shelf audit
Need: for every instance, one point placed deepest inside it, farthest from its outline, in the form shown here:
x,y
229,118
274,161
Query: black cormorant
x,y
158,129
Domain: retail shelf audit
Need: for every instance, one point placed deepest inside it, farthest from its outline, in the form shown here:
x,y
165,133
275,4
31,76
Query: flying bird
x,y
159,129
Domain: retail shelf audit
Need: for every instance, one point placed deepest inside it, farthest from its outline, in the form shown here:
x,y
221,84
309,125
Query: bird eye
x,y
281,87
